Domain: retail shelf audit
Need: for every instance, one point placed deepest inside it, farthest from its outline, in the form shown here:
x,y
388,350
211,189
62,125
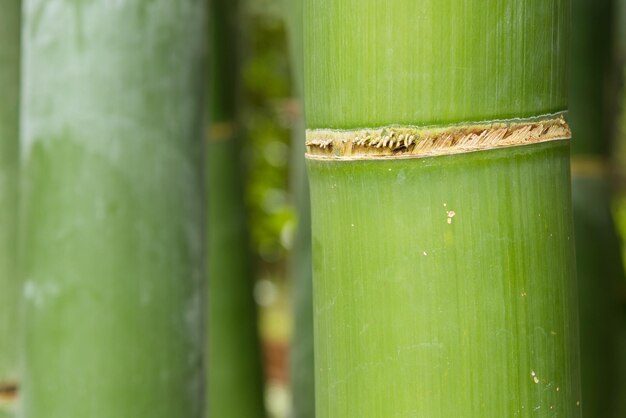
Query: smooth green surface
x,y
376,63
599,264
620,33
302,352
590,106
235,378
600,273
302,366
224,56
421,315
294,20
7,411
235,374
621,408
9,144
621,44
112,219
445,286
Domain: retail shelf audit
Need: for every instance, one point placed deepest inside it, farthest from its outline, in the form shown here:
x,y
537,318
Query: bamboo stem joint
x,y
413,142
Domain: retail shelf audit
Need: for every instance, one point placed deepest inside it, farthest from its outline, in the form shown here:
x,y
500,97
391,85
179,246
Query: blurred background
x,y
270,114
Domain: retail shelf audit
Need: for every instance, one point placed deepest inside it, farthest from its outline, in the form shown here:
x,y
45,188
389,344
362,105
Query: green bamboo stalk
x,y
302,352
111,230
620,158
599,270
8,408
235,378
620,36
599,264
302,362
444,285
9,149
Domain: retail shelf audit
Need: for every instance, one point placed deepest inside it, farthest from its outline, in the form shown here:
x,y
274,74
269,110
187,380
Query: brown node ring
x,y
411,142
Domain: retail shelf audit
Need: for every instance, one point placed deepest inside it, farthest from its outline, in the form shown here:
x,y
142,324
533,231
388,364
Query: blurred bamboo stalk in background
x,y
235,375
444,285
111,236
302,363
599,263
9,150
620,36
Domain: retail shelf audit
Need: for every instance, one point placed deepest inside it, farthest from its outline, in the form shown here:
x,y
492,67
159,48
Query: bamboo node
x,y
414,142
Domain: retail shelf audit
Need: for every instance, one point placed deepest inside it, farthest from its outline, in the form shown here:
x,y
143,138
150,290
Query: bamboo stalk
x,y
620,36
8,408
444,281
302,362
599,264
111,230
619,157
9,149
235,378
599,271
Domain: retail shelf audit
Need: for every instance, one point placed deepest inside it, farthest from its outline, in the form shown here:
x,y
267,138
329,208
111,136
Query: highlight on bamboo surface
x,y
111,234
443,285
234,372
9,161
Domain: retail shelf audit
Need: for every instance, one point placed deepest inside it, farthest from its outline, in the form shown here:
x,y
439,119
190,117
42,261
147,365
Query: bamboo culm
x,y
443,263
302,352
111,235
599,263
9,145
235,374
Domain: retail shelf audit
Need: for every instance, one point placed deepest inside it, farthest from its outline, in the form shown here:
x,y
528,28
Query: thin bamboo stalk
x,y
443,261
302,362
9,144
235,377
302,348
620,36
112,216
599,264
620,40
599,270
